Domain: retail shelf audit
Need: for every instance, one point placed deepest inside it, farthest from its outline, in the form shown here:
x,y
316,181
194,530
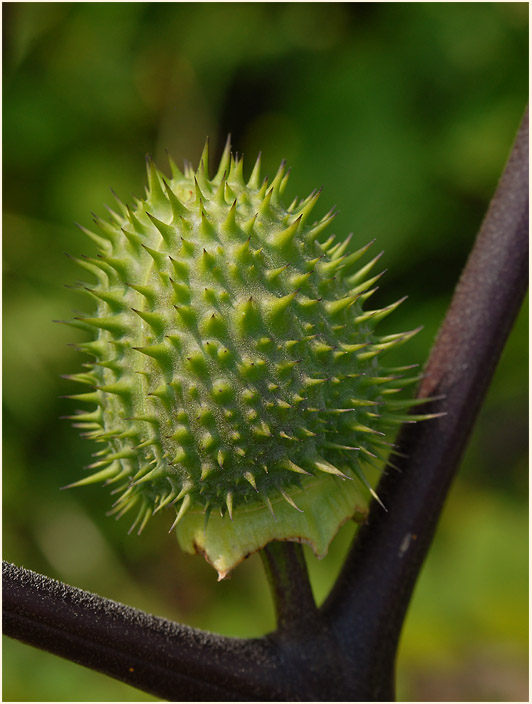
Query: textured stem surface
x,y
161,657
370,598
164,658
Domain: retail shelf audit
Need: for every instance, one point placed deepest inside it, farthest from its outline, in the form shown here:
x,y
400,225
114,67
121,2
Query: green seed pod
x,y
235,373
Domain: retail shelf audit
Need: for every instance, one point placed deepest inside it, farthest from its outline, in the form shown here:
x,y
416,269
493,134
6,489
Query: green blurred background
x,y
405,113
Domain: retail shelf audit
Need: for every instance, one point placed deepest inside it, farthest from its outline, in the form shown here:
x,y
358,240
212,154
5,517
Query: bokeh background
x,y
405,113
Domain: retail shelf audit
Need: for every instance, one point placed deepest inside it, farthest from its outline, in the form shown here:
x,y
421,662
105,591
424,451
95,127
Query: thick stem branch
x,y
161,657
370,598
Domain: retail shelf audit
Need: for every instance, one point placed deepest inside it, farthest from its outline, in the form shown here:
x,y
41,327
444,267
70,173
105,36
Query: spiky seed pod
x,y
235,373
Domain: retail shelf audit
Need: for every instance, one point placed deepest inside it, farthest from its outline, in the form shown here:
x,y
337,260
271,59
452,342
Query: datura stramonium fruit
x,y
236,375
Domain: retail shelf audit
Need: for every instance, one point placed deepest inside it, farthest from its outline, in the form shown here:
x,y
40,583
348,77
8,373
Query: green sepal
x,y
323,507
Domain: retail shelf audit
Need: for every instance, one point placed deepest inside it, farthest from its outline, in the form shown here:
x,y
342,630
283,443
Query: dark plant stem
x,y
164,658
287,575
161,657
371,596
